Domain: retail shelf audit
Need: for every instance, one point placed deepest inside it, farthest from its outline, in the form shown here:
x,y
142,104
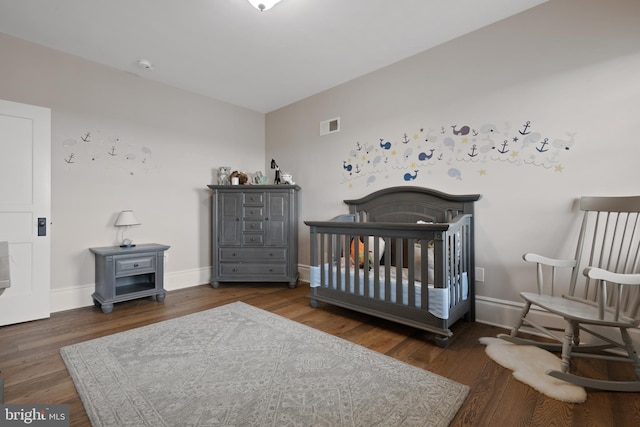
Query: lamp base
x,y
131,245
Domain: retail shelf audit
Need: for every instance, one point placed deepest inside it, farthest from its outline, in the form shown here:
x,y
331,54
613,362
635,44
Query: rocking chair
x,y
603,292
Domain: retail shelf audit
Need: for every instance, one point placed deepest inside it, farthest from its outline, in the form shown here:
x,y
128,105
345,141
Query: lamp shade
x,y
126,218
263,5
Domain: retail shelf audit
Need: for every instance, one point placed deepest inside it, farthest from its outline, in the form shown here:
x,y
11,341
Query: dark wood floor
x,y
34,372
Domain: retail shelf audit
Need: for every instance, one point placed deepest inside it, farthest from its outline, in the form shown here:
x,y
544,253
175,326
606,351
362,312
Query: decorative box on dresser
x,y
255,233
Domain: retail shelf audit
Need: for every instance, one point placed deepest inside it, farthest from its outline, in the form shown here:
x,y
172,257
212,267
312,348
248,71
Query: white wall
x,y
177,140
566,66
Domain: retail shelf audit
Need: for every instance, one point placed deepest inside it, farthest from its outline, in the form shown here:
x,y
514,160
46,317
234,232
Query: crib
x,y
405,254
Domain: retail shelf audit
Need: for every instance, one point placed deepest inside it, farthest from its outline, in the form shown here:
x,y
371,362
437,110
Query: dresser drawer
x,y
252,198
253,239
131,265
253,212
253,226
253,254
246,269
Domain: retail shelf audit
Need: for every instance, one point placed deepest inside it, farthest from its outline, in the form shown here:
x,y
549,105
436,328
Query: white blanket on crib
x,y
439,301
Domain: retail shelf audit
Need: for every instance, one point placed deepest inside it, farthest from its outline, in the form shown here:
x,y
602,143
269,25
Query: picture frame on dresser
x,y
254,234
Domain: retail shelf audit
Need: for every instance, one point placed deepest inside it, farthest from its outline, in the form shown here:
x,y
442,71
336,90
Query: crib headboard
x,y
409,204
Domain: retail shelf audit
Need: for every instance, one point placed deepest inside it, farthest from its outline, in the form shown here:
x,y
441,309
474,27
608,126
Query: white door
x,y
25,193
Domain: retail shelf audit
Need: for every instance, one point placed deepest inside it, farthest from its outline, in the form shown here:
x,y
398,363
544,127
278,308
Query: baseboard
x,y
80,296
504,313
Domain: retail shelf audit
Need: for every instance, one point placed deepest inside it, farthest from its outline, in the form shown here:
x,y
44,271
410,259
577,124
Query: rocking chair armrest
x,y
609,276
552,262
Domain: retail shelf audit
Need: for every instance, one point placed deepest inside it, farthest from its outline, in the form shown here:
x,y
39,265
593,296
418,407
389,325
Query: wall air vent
x,y
330,126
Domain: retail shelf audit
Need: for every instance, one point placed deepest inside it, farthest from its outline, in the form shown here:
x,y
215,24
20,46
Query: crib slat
x,y
346,283
424,274
387,270
411,275
368,265
398,265
375,284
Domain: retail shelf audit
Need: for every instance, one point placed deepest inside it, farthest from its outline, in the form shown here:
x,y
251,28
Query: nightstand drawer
x,y
131,265
253,254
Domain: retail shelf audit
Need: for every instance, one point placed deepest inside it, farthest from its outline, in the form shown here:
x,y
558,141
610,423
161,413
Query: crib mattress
x,y
439,298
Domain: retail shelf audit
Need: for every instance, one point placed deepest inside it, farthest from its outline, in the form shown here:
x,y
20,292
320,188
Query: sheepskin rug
x,y
529,365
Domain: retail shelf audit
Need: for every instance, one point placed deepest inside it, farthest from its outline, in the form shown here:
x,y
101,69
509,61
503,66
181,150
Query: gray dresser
x,y
255,233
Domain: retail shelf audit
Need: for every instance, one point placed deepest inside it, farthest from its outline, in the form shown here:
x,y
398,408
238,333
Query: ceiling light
x,y
263,5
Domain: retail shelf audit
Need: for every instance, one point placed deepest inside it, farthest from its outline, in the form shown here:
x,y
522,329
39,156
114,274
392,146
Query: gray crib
x,y
404,254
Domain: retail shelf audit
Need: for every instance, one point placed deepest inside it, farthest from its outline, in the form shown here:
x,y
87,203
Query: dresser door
x,y
230,226
277,224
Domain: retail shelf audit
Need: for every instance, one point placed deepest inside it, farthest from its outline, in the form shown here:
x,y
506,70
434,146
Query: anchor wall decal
x,y
524,130
473,152
504,147
543,144
70,158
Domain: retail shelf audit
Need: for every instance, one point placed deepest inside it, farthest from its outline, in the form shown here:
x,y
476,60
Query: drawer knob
x,y
136,265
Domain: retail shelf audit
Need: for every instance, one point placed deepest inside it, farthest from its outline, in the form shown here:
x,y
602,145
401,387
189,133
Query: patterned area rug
x,y
237,365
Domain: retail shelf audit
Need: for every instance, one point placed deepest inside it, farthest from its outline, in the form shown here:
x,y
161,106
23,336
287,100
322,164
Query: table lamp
x,y
126,219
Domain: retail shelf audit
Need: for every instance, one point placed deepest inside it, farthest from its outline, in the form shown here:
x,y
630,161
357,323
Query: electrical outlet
x,y
479,274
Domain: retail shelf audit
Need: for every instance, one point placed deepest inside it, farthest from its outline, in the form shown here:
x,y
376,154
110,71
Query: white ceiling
x,y
227,50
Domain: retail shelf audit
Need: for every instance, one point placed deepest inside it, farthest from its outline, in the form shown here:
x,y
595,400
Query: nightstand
x,y
124,274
